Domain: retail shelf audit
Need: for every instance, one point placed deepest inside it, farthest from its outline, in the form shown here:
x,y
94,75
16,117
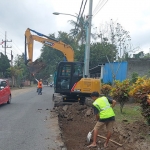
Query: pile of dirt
x,y
36,66
77,120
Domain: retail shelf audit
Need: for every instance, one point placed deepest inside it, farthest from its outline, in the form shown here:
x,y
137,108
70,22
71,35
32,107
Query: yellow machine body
x,y
87,85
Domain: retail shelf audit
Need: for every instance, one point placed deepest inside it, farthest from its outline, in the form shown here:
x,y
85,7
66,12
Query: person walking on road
x,y
39,86
105,116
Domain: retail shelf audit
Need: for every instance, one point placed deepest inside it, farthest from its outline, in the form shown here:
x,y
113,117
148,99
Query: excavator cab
x,y
68,74
70,83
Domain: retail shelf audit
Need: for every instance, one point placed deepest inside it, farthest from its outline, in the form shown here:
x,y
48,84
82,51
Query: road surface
x,y
27,124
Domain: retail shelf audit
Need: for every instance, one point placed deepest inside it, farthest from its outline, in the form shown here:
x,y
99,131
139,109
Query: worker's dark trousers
x,y
39,91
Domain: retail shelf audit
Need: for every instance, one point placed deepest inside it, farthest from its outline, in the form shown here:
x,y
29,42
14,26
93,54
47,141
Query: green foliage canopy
x,y
4,65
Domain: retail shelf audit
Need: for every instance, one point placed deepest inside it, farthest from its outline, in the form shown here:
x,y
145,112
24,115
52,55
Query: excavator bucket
x,y
36,66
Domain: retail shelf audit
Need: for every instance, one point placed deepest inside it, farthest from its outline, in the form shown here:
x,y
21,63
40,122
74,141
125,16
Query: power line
x,y
12,43
79,13
101,3
6,52
84,8
100,8
96,6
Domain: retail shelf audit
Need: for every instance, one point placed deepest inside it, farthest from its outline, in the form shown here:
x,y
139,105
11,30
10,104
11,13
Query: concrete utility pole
x,y
88,39
5,43
11,58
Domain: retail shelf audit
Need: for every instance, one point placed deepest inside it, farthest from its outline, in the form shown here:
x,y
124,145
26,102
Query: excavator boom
x,y
51,42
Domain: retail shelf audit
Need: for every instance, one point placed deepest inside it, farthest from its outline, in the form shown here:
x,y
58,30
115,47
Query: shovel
x,y
89,136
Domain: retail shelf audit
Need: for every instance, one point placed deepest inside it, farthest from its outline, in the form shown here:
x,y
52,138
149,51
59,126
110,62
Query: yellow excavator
x,y
68,79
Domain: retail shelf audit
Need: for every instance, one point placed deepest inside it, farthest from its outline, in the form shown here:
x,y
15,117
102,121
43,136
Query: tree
x,y
120,92
20,64
67,39
140,90
4,65
79,31
51,57
134,77
147,55
19,71
80,53
101,53
115,34
139,55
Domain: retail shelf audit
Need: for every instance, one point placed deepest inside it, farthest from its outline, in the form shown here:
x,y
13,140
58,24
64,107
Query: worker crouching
x,y
105,116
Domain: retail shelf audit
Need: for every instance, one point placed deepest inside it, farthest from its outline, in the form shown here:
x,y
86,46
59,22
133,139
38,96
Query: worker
x,y
105,116
39,86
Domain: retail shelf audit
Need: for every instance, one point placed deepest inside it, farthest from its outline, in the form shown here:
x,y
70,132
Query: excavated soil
x,y
77,120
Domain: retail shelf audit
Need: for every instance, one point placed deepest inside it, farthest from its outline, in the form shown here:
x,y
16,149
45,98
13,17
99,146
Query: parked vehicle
x,y
5,92
51,84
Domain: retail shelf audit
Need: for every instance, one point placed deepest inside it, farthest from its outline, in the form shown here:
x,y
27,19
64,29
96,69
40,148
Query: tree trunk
x,y
13,81
121,107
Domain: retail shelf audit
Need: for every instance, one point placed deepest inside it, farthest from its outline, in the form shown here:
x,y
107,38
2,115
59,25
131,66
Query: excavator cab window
x,y
65,70
65,75
68,73
78,70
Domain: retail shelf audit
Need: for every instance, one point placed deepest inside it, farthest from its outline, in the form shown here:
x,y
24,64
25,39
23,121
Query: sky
x,y
18,15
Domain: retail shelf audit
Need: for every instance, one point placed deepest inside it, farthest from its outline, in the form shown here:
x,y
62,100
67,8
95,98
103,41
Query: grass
x,y
131,113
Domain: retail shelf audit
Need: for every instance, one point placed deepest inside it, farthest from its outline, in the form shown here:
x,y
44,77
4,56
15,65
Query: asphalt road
x,y
26,124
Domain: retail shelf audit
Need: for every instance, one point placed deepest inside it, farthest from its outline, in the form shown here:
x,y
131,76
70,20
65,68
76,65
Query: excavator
x,y
68,80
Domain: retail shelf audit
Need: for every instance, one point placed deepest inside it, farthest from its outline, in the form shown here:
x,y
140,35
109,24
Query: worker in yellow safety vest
x,y
105,116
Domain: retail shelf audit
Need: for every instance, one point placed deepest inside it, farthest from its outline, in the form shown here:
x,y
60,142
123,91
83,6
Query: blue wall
x,y
117,68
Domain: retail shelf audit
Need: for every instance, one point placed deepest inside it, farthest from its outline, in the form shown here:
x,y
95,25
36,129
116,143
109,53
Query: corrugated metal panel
x,y
119,69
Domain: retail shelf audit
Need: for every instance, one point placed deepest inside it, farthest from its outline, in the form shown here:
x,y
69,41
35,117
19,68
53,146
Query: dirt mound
x,y
77,120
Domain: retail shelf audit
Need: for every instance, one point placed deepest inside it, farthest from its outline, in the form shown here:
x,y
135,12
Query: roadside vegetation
x,y
135,90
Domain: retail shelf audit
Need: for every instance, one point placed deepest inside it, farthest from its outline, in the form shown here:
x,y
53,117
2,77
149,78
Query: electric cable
x,y
97,6
79,14
84,8
100,8
15,49
13,43
4,52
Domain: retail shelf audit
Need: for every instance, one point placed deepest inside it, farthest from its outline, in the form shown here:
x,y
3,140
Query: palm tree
x,y
79,31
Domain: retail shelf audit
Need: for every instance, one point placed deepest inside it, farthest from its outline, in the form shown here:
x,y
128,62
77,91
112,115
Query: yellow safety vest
x,y
105,110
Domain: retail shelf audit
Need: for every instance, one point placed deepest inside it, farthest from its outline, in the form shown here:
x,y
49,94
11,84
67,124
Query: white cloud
x,y
17,15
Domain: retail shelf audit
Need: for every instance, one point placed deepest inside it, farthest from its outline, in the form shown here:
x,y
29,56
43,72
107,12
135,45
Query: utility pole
x,y
11,58
5,43
88,39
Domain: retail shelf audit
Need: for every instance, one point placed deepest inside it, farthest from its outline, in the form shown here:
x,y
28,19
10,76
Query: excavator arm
x,y
51,42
